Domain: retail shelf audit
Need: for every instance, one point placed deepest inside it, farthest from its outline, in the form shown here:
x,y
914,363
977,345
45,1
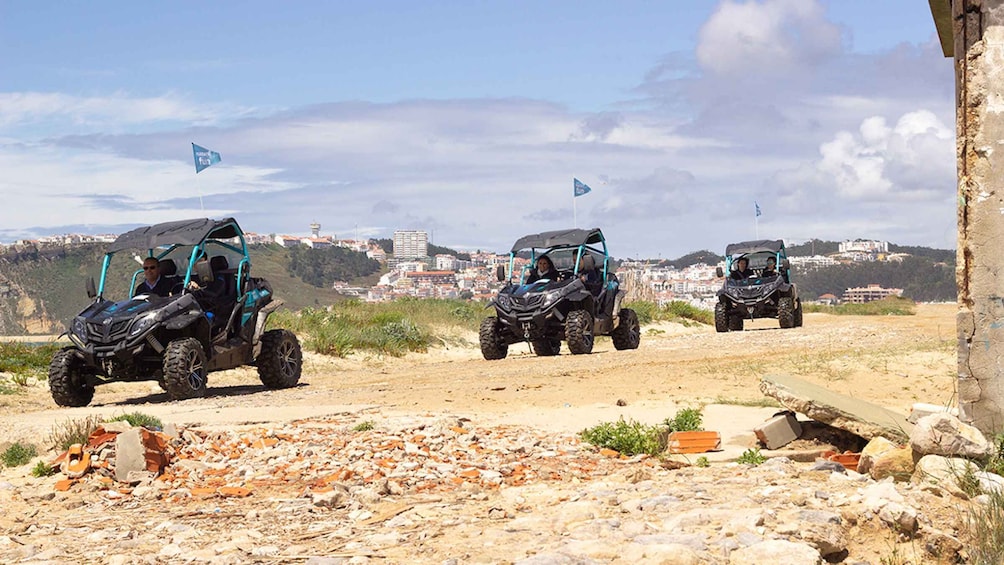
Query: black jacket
x,y
162,288
740,275
551,274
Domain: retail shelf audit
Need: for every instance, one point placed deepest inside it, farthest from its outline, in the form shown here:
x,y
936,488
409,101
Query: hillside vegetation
x,y
41,290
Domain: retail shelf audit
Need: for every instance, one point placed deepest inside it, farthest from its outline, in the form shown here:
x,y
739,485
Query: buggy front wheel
x,y
579,332
185,369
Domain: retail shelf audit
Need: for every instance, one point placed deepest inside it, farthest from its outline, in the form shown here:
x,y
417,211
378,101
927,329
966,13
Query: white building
x,y
864,246
446,263
812,262
411,244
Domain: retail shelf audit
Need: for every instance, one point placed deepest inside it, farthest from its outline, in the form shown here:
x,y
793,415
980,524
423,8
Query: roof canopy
x,y
556,238
181,232
746,247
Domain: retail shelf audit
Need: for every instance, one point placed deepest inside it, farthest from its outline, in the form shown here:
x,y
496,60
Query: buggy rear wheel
x,y
185,369
492,345
627,334
721,318
579,332
68,379
280,361
546,347
798,314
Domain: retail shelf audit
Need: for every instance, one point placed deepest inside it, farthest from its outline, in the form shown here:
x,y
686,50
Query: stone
x,y
920,409
902,518
130,454
896,463
778,431
838,410
944,434
944,472
876,447
772,552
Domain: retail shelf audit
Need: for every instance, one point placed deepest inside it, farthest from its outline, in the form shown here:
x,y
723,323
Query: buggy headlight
x,y
551,298
142,324
79,328
504,301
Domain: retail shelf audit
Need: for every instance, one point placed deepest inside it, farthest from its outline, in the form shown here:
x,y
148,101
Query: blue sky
x,y
469,119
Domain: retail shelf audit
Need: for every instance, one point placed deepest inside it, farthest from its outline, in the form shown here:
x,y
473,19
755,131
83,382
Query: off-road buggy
x,y
546,312
175,340
761,295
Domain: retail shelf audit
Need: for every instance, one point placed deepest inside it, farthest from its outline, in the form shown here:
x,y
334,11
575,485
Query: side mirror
x,y
500,273
92,291
785,264
719,272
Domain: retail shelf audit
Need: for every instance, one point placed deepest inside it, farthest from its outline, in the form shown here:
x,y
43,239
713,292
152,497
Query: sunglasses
x,y
151,268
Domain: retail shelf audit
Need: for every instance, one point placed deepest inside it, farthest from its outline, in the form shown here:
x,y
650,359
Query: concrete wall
x,y
978,48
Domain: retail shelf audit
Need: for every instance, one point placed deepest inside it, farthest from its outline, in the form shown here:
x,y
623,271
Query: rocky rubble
x,y
428,489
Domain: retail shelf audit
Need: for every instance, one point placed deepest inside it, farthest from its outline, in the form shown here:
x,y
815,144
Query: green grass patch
x,y
25,360
633,438
686,420
751,456
985,530
43,469
364,426
68,432
995,464
140,420
18,454
891,306
627,437
675,311
390,328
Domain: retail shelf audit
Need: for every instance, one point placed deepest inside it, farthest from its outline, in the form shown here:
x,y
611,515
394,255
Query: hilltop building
x,y
864,246
411,244
870,293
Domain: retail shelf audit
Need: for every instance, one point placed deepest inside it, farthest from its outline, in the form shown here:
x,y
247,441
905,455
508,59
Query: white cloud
x,y
913,158
766,37
104,113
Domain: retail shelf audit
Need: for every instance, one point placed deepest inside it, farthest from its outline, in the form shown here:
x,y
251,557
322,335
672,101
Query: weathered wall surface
x,y
979,62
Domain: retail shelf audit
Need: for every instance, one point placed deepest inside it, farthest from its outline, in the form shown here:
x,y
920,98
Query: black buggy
x,y
176,340
546,312
761,295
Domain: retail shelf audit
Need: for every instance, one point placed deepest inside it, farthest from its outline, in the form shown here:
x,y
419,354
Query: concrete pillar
x,y
978,48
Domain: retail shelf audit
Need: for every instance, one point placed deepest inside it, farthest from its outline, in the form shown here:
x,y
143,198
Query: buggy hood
x,y
181,232
568,237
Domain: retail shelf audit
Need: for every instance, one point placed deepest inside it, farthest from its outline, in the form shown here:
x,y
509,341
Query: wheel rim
x,y
287,359
195,378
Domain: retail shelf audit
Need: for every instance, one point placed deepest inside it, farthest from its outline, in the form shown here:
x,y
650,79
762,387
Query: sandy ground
x,y
891,361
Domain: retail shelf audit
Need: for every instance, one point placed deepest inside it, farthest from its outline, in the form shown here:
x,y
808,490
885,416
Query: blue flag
x,y
757,206
204,158
579,188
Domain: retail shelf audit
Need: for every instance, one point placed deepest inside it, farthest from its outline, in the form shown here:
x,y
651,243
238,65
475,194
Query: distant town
x,y
412,272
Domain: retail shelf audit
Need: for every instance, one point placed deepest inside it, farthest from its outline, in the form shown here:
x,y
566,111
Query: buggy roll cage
x,y
170,236
580,240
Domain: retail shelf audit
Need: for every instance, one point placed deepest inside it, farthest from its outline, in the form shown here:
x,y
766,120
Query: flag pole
x,y
198,188
575,215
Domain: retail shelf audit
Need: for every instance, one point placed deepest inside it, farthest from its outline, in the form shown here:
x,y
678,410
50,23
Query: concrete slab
x,y
838,410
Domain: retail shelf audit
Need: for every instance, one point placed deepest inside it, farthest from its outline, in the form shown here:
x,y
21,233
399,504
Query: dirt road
x,y
891,361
